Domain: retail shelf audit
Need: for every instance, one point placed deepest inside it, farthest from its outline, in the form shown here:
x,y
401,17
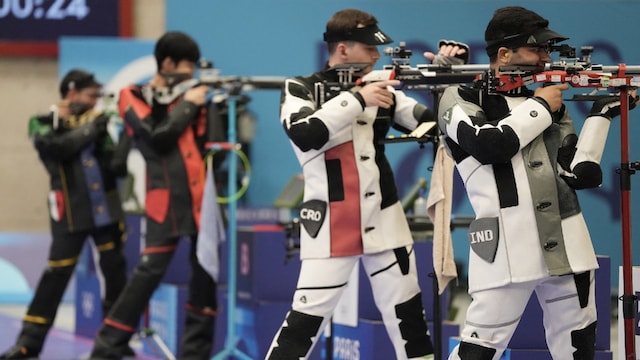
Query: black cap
x,y
545,36
370,35
77,79
539,37
515,26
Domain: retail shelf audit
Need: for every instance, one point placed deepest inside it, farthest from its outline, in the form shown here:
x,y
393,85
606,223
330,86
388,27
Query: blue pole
x,y
231,341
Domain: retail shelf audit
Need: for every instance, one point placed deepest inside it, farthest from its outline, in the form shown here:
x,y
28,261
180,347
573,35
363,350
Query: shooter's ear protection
x,y
503,53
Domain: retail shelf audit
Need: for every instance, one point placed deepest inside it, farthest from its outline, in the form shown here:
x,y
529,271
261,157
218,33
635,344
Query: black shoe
x,y
19,352
128,352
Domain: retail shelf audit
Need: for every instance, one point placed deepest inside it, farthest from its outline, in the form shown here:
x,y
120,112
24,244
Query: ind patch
x,y
483,238
312,214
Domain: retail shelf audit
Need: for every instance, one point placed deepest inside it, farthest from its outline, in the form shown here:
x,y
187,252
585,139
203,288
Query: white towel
x,y
212,231
439,211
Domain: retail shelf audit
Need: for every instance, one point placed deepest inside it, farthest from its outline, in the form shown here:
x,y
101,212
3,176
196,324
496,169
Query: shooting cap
x,y
515,27
370,35
77,79
539,37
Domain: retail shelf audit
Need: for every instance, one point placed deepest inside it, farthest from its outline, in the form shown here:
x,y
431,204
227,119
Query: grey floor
x,y
459,302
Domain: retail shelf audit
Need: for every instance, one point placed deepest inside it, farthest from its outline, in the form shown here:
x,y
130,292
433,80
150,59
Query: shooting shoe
x,y
128,352
19,352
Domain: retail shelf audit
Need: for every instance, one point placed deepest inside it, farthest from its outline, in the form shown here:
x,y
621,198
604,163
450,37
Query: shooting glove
x,y
100,124
609,106
567,151
452,60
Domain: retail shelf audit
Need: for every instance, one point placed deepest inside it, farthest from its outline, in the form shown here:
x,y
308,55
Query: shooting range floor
x,y
61,344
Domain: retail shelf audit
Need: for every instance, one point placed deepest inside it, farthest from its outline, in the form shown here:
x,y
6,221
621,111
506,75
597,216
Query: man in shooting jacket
x,y
171,123
351,210
521,161
83,162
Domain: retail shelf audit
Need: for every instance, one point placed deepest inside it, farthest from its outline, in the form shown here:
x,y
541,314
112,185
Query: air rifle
x,y
211,76
423,76
577,72
420,77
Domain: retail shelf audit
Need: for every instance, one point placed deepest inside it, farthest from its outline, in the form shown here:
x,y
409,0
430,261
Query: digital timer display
x,y
29,25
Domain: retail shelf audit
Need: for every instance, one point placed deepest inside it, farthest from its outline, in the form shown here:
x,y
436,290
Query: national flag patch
x,y
56,205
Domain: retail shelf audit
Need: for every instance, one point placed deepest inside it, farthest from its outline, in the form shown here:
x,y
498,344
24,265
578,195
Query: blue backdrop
x,y
284,38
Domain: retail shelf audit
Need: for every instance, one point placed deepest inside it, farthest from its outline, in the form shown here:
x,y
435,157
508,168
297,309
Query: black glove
x,y
459,59
567,151
609,106
558,115
100,124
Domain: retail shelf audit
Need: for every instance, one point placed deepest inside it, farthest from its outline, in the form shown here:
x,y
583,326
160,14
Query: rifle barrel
x,y
630,69
472,68
245,82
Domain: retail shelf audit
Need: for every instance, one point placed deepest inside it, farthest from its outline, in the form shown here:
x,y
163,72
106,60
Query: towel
x,y
212,230
439,211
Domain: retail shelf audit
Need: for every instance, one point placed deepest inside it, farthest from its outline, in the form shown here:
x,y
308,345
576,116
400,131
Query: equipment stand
x,y
230,349
626,170
437,320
